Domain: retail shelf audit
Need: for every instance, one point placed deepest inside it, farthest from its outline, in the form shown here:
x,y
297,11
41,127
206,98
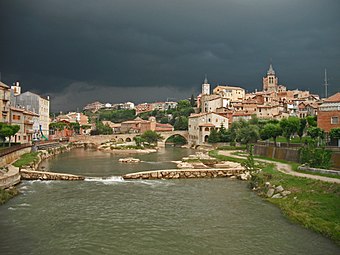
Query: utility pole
x,y
326,84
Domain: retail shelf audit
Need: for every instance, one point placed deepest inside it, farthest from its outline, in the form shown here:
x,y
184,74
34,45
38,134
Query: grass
x,y
214,153
294,165
26,159
7,194
312,203
242,147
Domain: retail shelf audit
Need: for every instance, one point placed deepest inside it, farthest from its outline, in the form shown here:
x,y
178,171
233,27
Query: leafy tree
x,y
224,134
75,127
271,131
8,131
57,126
289,127
213,136
192,101
334,133
138,140
164,120
181,123
315,156
151,137
312,121
316,134
302,127
248,134
117,115
102,129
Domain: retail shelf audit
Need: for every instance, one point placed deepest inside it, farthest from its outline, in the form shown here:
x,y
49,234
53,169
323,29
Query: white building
x,y
39,105
201,124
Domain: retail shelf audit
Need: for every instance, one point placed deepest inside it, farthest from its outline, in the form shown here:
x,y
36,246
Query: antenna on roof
x,y
326,84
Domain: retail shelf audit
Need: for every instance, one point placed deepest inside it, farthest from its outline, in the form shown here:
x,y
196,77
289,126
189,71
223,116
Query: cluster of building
x,y
138,125
140,108
27,110
67,131
231,103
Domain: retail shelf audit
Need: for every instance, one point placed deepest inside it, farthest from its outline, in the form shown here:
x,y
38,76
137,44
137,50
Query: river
x,y
107,215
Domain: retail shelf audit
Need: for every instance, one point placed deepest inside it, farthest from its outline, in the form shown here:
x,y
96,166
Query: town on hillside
x,y
213,110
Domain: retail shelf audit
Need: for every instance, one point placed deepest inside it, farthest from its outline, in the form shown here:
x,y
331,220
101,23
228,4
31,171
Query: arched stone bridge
x,y
120,138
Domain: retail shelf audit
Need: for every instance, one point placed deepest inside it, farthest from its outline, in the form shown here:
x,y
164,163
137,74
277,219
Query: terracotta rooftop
x,y
206,125
334,98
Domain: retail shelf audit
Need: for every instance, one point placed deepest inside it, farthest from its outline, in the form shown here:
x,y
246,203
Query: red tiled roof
x,y
206,125
334,98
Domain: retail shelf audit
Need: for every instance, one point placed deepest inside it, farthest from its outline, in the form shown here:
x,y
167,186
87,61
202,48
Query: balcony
x,y
5,109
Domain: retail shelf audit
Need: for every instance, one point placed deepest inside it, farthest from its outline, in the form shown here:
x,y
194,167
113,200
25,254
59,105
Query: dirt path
x,y
285,168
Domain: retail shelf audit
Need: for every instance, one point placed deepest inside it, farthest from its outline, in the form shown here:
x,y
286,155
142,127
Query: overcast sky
x,y
79,51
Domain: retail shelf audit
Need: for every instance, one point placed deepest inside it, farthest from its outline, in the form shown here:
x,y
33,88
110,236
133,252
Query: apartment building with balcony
x,y
5,95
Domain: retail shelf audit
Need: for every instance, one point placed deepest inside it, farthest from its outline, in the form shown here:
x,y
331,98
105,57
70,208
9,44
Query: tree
x,y
302,127
192,101
213,137
312,121
181,123
138,140
334,134
224,134
315,156
271,131
316,134
151,137
248,134
289,127
75,127
8,131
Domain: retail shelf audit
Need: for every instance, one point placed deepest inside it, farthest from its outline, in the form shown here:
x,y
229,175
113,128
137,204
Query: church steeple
x,y
270,82
206,86
271,70
205,79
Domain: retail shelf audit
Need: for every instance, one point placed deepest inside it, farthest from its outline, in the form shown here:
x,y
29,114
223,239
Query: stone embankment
x,y
42,175
189,173
9,176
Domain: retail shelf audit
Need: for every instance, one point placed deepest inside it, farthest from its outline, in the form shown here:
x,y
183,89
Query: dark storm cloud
x,y
165,46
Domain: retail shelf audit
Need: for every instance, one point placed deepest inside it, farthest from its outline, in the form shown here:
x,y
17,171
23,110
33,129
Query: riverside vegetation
x,y
312,203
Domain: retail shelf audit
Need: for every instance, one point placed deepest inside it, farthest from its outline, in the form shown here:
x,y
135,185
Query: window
x,y
16,117
334,120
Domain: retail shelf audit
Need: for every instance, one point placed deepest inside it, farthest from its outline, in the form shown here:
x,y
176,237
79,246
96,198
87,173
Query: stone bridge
x,y
121,138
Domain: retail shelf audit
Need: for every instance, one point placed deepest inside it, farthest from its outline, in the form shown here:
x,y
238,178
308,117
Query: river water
x,y
106,215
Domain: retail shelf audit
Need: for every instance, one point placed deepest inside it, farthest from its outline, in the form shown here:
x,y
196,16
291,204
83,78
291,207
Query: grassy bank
x,y
312,203
26,159
7,194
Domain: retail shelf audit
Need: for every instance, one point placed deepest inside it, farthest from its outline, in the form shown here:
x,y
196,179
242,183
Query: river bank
x,y
312,201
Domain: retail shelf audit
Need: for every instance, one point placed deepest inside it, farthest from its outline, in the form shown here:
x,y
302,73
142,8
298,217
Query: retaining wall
x,y
291,154
185,173
9,158
11,178
41,175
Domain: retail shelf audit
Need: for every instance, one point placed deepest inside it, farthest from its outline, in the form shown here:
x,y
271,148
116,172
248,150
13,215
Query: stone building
x,y
200,125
